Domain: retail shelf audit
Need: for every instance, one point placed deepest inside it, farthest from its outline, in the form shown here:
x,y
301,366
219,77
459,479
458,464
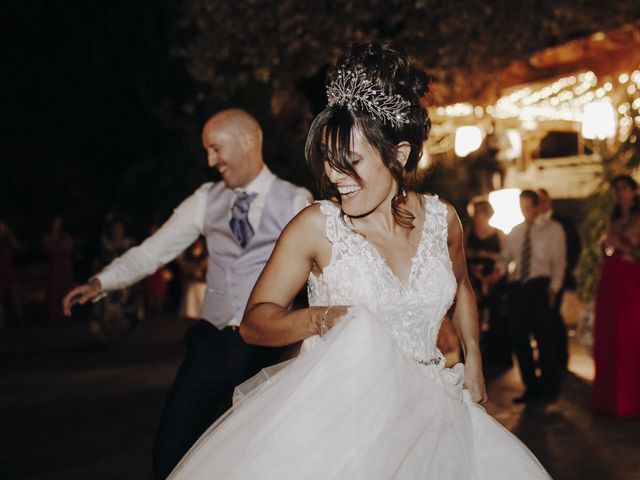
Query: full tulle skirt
x,y
353,405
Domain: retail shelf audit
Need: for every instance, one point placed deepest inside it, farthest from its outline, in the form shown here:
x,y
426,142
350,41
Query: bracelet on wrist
x,y
323,321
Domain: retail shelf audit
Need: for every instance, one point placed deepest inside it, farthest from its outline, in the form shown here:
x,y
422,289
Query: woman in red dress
x,y
616,350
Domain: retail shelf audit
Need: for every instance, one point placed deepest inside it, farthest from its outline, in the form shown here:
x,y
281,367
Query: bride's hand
x,y
328,317
474,381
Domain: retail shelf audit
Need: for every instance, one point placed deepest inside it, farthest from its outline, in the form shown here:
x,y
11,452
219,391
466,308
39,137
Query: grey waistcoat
x,y
233,270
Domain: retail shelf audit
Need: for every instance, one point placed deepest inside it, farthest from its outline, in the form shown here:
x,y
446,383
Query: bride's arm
x,y
465,312
267,319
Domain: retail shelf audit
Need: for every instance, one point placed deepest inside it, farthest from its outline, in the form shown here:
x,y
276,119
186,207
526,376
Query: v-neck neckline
x,y
385,264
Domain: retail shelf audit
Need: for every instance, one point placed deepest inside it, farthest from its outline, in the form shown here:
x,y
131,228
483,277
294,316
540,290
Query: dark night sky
x,y
91,116
94,102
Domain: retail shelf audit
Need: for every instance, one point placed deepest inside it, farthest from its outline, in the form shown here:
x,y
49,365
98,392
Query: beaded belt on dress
x,y
431,361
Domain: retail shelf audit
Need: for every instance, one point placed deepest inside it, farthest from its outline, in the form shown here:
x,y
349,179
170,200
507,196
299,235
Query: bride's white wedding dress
x,y
372,399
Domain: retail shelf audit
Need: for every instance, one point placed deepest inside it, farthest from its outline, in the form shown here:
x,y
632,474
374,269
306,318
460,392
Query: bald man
x,y
241,219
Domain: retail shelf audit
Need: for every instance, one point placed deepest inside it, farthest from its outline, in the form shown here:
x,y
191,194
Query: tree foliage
x,y
231,45
91,95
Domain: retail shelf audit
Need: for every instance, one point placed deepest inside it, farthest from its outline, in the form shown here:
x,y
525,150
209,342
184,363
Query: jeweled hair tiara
x,y
354,91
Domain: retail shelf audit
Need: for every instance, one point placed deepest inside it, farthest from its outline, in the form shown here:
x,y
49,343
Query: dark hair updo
x,y
329,138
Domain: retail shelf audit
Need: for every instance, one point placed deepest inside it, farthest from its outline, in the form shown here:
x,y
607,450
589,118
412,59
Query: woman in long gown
x,y
616,348
369,396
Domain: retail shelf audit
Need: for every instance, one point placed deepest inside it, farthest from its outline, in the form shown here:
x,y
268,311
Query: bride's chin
x,y
350,208
356,211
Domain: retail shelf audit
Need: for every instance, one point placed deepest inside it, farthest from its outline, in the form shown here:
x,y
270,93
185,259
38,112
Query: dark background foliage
x,y
103,101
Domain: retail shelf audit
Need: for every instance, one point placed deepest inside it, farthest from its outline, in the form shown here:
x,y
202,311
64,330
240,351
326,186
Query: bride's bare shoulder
x,y
308,224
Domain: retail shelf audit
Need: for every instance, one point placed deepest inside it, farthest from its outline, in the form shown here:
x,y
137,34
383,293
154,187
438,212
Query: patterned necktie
x,y
239,223
525,257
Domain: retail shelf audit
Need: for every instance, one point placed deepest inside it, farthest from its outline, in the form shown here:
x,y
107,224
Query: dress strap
x,y
333,223
436,223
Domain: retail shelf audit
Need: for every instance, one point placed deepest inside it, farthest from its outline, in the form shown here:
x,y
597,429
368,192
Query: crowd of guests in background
x,y
519,281
177,286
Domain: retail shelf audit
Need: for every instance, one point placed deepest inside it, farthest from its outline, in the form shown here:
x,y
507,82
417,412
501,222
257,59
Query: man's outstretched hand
x,y
81,295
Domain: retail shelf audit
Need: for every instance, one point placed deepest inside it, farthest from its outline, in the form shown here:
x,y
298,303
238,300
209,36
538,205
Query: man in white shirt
x,y
535,259
241,219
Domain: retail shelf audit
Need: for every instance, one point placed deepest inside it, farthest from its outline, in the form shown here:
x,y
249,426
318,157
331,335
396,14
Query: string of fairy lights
x,y
601,108
568,98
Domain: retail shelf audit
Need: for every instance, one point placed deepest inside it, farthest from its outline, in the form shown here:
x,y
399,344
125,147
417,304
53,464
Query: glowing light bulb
x,y
468,139
598,121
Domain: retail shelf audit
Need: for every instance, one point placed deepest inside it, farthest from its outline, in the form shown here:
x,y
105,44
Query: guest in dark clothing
x,y
535,258
573,246
59,246
483,244
8,245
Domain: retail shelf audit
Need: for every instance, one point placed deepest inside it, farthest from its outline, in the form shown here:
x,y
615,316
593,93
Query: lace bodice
x,y
358,275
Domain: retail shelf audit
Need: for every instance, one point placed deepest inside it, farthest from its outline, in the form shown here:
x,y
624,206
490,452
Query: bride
x,y
369,396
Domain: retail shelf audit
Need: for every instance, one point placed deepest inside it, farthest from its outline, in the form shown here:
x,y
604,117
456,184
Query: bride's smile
x,y
374,185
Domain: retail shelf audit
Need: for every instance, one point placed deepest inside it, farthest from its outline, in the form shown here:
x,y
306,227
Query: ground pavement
x,y
73,409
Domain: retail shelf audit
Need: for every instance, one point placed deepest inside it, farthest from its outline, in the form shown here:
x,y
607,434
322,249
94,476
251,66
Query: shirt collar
x,y
539,221
260,184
